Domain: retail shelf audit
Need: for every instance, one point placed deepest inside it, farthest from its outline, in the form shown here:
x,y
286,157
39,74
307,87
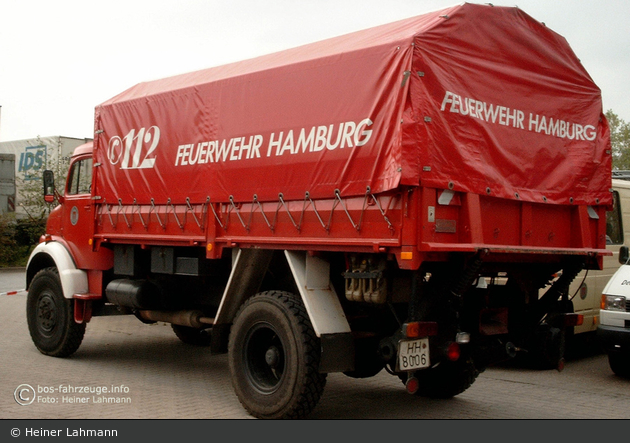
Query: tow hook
x,y
512,350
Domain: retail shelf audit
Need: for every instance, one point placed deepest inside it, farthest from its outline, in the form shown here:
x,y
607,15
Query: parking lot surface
x,y
150,374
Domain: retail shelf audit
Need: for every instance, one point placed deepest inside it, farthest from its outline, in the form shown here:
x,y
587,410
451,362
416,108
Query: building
x,y
7,183
32,157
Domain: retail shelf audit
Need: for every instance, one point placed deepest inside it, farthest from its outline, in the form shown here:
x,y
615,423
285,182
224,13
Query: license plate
x,y
413,354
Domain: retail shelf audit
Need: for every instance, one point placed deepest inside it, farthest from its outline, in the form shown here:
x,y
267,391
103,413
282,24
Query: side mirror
x,y
49,186
624,255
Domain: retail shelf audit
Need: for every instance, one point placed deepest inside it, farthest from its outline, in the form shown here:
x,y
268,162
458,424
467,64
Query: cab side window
x,y
614,227
80,179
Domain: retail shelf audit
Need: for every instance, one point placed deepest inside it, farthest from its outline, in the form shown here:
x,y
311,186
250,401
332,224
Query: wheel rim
x,y
264,358
46,315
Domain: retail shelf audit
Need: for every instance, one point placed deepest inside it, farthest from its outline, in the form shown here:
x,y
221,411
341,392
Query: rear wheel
x,y
274,357
50,316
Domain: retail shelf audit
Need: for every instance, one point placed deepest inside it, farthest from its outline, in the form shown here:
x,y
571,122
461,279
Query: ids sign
x,y
32,161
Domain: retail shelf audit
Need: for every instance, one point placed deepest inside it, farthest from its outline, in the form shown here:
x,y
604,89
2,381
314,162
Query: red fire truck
x,y
390,199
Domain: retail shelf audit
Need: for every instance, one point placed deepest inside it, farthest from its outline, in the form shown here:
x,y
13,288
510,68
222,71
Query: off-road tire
x,y
50,316
192,336
274,357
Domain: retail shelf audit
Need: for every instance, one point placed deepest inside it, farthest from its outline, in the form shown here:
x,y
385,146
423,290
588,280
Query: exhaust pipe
x,y
192,319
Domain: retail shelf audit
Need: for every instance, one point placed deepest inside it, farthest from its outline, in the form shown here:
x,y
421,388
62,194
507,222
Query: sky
x,y
59,59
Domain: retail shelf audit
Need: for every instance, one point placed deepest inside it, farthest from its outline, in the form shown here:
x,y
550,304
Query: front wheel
x,y
274,357
619,363
50,316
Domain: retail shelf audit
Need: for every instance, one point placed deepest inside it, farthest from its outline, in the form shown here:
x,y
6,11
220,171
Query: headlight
x,y
613,302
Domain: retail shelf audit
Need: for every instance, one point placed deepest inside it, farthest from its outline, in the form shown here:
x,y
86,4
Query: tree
x,y
619,140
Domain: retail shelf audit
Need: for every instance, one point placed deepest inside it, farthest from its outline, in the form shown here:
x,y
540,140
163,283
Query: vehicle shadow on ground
x,y
147,352
583,346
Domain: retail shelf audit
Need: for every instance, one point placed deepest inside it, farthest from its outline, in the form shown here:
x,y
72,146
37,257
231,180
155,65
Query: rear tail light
x,y
572,320
567,320
418,329
453,351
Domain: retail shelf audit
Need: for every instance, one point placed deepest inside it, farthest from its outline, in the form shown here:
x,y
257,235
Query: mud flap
x,y
337,353
312,277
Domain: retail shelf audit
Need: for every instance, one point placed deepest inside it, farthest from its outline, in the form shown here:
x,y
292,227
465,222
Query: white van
x,y
613,331
586,289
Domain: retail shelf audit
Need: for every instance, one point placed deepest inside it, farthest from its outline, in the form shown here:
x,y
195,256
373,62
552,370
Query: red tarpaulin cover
x,y
474,98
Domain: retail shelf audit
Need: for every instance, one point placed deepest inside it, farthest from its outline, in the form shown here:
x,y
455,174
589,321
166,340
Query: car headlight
x,y
613,302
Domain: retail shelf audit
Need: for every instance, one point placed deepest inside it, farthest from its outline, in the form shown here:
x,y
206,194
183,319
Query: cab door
x,y
78,213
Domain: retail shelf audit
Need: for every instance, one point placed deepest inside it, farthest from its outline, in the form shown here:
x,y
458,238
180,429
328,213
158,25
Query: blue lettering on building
x,y
32,161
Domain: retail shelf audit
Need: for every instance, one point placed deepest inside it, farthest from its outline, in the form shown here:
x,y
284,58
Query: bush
x,y
28,232
18,237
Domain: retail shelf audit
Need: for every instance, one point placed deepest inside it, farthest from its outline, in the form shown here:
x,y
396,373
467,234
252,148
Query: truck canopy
x,y
472,98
